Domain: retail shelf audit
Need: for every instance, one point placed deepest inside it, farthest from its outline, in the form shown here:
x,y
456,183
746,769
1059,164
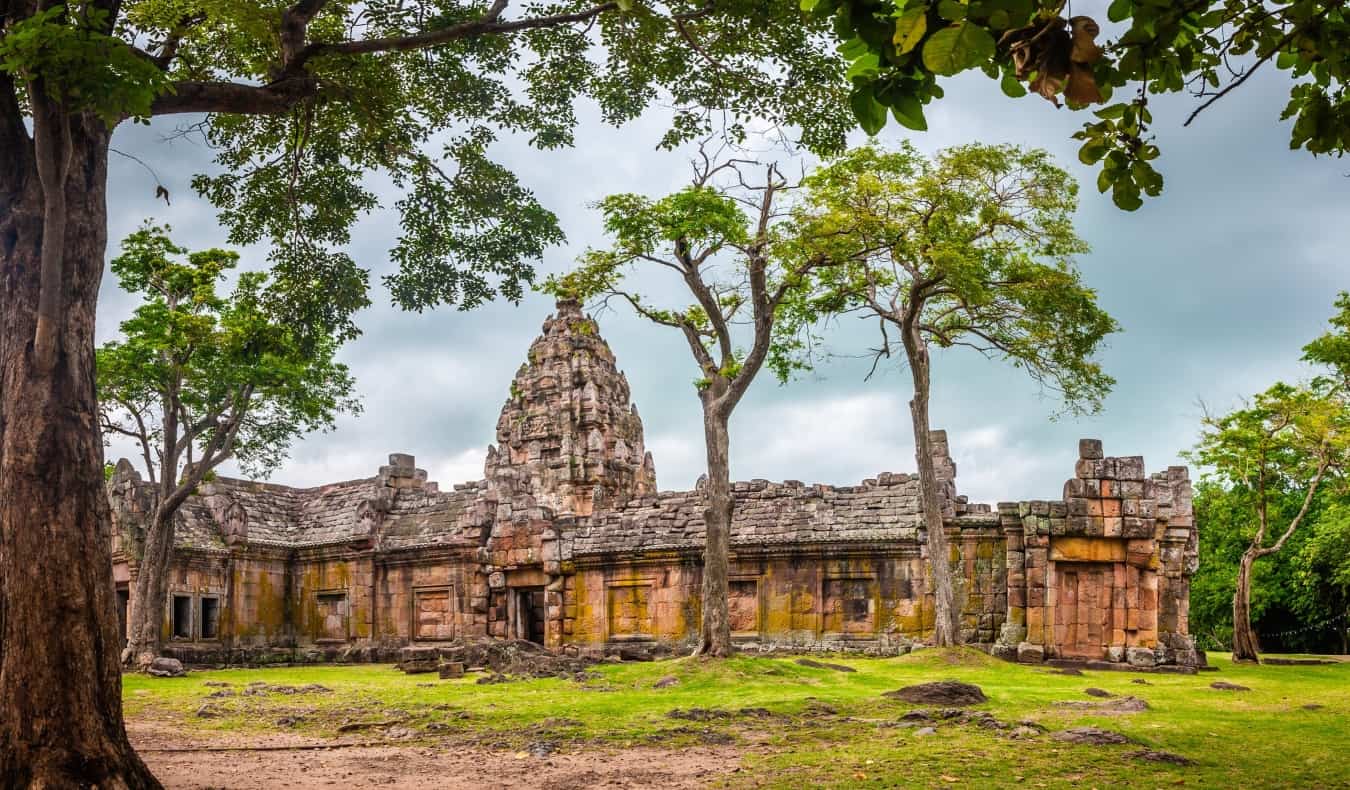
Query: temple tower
x,y
568,435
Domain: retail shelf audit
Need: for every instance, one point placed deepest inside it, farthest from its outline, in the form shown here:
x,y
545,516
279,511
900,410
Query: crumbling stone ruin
x,y
568,543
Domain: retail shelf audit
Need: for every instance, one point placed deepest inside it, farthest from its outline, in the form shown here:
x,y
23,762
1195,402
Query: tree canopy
x,y
978,243
306,100
899,48
198,378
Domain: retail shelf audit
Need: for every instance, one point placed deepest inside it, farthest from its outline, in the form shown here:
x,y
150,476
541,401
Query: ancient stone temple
x,y
568,542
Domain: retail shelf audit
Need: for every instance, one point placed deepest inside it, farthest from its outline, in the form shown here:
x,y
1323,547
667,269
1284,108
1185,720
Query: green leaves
x,y
1165,47
976,244
958,47
67,51
910,28
240,380
870,113
1117,142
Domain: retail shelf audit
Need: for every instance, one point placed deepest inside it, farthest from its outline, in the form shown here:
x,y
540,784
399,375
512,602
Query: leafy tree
x,y
301,99
899,48
973,248
1289,440
1285,589
743,274
1324,573
198,379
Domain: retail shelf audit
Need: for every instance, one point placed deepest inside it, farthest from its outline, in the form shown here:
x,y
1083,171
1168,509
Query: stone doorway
x,y
531,614
123,602
1084,600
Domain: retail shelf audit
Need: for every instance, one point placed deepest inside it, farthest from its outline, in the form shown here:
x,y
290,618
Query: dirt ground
x,y
281,761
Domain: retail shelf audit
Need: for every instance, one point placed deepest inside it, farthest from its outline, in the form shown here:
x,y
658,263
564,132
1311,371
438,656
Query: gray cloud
x,y
1218,284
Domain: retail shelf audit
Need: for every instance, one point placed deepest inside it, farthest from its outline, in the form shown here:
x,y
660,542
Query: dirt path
x,y
247,762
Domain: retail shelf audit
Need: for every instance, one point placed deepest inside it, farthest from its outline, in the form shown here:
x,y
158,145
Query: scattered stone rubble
x,y
502,659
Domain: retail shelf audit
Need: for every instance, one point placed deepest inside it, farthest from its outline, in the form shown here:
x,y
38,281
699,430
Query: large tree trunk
x,y
148,601
59,677
946,631
715,634
1245,646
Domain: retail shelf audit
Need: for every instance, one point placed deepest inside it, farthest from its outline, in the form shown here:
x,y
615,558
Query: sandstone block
x,y
1090,448
1130,467
1029,653
1088,468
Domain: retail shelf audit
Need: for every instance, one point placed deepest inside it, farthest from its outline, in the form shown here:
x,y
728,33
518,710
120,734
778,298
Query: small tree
x,y
743,273
1290,439
973,248
198,379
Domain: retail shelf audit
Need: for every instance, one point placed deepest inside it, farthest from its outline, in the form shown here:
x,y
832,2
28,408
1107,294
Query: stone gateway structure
x,y
567,542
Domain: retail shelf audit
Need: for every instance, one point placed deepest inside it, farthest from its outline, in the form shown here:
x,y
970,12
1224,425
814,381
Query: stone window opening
x,y
850,607
434,613
628,611
182,617
743,607
332,610
210,618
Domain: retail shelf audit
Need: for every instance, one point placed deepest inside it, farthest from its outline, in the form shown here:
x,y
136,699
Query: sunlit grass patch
x,y
801,725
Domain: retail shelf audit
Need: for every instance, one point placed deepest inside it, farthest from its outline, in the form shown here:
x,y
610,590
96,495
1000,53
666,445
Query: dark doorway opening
x,y
531,611
182,617
123,602
210,618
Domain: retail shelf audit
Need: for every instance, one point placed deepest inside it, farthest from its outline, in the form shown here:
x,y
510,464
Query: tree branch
x,y
487,24
1302,511
295,26
192,96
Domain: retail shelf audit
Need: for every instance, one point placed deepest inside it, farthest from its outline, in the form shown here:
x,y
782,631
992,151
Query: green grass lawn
x,y
825,727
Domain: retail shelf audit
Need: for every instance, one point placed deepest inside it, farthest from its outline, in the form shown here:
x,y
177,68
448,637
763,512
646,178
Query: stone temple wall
x,y
566,541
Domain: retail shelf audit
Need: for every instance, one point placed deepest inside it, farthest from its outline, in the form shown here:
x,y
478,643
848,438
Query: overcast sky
x,y
1218,284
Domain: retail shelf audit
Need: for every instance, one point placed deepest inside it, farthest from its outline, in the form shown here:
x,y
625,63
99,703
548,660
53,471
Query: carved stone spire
x,y
568,435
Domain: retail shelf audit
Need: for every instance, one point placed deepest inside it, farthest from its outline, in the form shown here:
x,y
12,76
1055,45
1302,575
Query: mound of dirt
x,y
1092,736
942,692
1096,692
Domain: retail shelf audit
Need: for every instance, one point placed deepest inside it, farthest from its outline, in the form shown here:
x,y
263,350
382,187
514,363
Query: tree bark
x,y
1245,645
144,631
946,631
715,631
59,675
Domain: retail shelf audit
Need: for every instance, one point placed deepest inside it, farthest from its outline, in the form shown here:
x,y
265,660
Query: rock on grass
x,y
1157,756
1114,705
1092,736
942,692
1223,685
813,664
